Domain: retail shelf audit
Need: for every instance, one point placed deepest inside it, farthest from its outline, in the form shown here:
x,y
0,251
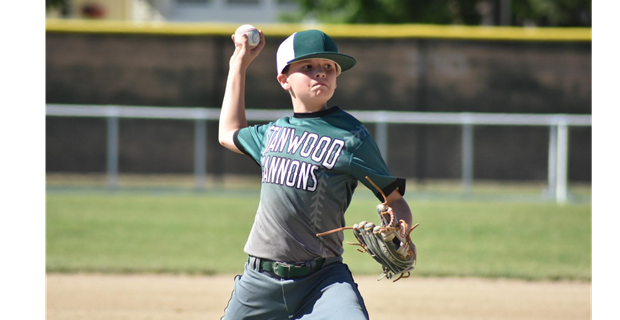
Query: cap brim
x,y
345,62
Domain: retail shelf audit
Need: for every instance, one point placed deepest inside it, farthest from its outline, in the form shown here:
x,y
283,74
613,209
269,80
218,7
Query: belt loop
x,y
311,265
253,263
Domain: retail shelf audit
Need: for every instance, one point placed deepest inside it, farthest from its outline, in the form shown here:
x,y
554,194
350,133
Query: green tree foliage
x,y
563,13
61,5
383,11
49,4
468,12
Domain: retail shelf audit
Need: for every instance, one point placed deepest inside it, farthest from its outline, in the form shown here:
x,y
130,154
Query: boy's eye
x,y
309,66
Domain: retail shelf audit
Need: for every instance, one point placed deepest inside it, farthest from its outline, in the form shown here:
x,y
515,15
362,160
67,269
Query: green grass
x,y
514,240
205,234
142,233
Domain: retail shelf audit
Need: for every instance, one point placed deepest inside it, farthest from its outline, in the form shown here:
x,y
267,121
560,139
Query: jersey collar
x,y
317,114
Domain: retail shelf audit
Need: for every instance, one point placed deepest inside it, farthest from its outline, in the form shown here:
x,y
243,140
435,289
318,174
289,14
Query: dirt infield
x,y
158,297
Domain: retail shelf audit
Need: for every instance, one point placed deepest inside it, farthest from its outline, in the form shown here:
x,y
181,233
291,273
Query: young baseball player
x,y
311,163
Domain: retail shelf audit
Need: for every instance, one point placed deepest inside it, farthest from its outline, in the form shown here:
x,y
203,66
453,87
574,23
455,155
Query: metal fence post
x,y
200,153
552,161
561,193
112,151
382,137
467,161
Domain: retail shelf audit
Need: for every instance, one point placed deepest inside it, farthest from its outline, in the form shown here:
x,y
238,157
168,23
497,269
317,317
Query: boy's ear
x,y
283,80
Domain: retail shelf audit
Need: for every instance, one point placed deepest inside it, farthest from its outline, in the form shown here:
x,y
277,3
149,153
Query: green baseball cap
x,y
311,44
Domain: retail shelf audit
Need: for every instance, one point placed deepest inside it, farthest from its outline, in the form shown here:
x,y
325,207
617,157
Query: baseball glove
x,y
389,243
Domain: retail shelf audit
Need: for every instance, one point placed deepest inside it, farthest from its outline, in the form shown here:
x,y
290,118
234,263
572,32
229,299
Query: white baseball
x,y
251,31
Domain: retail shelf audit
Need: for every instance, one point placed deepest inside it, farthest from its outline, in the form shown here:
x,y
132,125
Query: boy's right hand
x,y
243,55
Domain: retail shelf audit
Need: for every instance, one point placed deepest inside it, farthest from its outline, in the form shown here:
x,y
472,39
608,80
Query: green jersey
x,y
311,164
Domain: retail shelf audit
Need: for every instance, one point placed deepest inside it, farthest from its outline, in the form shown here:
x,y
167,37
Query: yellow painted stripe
x,y
334,30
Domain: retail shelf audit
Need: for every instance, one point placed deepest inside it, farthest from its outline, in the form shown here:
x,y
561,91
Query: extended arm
x,y
400,207
232,116
389,243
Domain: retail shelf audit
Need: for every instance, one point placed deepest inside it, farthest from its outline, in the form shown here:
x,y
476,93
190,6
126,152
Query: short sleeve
x,y
368,162
251,140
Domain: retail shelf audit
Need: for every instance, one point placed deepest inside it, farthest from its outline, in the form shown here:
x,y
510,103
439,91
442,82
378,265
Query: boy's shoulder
x,y
346,119
334,117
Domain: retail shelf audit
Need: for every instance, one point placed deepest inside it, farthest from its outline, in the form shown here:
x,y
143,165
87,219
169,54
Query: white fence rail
x,y
558,133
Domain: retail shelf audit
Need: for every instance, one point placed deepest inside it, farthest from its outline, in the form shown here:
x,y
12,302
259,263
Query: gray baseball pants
x,y
328,293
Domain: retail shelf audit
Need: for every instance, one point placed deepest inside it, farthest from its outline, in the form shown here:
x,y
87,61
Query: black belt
x,y
285,269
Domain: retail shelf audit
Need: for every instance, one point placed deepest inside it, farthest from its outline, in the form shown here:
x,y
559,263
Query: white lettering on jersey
x,y
282,171
308,145
313,176
334,153
304,174
322,147
273,138
273,165
295,142
290,173
283,137
321,151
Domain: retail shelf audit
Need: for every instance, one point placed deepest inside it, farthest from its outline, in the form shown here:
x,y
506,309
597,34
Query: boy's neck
x,y
299,107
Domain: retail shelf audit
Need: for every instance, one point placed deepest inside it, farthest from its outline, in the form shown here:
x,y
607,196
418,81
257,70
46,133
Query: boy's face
x,y
312,80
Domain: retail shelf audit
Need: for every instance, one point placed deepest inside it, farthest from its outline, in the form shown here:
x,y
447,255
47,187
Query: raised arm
x,y
232,116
